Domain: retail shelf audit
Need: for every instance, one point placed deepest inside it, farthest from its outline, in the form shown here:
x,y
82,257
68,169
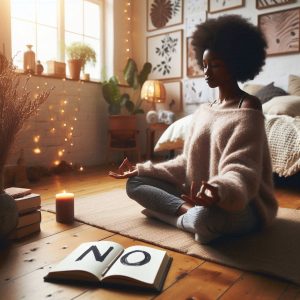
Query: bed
x,y
282,123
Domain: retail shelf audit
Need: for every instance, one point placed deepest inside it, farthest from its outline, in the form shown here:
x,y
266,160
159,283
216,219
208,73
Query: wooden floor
x,y
23,264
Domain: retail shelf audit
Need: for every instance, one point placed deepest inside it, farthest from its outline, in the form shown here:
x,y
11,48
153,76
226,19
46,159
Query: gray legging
x,y
207,223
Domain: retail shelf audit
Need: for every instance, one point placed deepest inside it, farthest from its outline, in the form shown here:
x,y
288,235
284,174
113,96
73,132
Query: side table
x,y
151,130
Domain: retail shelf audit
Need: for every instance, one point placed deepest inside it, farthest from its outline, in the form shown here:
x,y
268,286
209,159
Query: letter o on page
x,y
146,259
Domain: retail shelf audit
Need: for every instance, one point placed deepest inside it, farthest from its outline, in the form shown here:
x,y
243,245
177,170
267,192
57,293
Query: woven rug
x,y
274,251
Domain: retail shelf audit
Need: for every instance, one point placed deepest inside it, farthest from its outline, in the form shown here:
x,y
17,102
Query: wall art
x,y
164,52
196,91
192,67
215,6
164,13
262,4
192,21
174,97
281,30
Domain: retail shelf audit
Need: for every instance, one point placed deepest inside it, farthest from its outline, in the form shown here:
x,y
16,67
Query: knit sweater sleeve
x,y
172,170
240,164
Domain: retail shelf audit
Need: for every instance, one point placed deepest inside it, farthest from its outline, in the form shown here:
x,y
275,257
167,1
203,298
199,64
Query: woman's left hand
x,y
202,198
126,170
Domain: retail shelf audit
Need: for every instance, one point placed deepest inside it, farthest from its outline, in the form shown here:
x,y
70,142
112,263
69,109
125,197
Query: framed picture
x,y
174,97
164,52
196,91
281,30
161,14
215,6
262,4
192,67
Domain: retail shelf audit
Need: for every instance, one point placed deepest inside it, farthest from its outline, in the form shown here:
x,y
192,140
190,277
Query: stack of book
x,y
28,205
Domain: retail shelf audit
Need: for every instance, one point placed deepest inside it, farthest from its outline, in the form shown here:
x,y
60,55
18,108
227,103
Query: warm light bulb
x,y
60,153
62,111
52,130
56,162
36,138
65,125
37,150
81,169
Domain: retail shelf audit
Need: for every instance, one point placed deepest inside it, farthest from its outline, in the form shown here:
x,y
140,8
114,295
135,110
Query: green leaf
x,y
130,73
124,99
138,111
129,106
143,76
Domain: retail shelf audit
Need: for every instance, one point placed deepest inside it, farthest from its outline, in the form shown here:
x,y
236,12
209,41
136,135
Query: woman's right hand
x,y
126,170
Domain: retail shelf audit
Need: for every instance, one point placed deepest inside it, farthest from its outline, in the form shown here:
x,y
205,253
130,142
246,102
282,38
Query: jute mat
x,y
274,251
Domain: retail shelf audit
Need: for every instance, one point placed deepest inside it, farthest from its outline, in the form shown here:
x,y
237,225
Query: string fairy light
x,y
128,17
63,118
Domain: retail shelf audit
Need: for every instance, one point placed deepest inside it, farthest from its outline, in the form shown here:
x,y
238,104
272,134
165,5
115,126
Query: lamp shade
x,y
153,91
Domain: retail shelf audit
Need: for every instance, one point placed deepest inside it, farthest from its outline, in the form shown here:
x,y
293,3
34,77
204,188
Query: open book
x,y
109,262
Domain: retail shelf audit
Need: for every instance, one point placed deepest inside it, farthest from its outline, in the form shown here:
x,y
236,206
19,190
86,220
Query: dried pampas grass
x,y
17,104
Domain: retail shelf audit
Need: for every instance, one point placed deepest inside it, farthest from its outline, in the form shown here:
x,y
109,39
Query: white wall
x,y
277,68
82,101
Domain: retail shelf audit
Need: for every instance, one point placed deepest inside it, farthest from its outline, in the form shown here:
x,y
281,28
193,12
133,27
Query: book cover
x,y
108,262
25,231
17,192
28,203
28,219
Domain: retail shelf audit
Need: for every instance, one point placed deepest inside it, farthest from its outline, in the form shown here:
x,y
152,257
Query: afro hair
x,y
240,44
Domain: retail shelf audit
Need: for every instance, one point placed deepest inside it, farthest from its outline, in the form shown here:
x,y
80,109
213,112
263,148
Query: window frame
x,y
60,26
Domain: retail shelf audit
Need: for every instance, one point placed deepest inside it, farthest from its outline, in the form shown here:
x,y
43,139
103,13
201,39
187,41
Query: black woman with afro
x,y
221,184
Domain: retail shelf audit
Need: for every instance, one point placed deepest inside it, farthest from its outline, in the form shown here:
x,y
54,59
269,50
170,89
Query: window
x,y
51,25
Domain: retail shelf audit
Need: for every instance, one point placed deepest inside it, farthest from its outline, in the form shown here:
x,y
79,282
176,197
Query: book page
x,y
92,257
138,262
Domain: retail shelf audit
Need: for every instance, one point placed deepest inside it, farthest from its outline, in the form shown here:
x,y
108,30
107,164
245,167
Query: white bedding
x,y
283,135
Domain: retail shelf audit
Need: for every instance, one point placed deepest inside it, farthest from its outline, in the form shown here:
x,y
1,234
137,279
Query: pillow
x,y
173,137
283,105
294,85
251,88
268,92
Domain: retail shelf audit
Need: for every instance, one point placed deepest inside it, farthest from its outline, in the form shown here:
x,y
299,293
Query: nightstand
x,y
150,136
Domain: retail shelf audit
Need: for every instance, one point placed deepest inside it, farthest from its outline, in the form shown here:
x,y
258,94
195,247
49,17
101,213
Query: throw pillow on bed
x,y
269,91
283,105
294,85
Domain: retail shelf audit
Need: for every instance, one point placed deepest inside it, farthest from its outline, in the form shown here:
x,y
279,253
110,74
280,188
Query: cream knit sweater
x,y
229,149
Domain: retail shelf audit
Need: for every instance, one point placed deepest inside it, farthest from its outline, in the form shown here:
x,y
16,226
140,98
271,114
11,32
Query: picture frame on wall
x,y
281,29
162,14
164,52
262,4
192,67
215,6
174,97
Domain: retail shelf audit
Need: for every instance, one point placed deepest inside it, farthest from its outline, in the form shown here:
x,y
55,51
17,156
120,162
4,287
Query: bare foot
x,y
184,208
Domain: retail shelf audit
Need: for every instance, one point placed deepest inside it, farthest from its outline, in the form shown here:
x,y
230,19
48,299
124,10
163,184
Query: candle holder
x,y
64,203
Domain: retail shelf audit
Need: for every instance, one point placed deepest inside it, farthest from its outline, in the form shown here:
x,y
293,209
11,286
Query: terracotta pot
x,y
75,68
8,215
122,127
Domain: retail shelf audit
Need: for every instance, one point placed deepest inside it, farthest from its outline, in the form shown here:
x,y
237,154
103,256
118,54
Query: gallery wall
x,y
146,38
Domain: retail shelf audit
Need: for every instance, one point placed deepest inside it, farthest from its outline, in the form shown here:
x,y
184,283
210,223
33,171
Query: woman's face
x,y
215,70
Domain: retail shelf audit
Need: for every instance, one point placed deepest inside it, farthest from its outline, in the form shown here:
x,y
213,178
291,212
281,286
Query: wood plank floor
x,y
23,264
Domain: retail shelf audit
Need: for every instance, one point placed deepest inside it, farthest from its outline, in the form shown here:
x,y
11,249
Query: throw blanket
x,y
283,134
284,141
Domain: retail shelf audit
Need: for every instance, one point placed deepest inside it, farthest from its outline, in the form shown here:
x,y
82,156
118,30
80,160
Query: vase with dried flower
x,y
17,104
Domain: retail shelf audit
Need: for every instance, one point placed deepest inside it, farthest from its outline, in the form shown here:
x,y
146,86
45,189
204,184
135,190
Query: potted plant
x,y
79,54
120,124
135,80
16,101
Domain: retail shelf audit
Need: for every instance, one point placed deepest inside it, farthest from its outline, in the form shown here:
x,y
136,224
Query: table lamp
x,y
153,91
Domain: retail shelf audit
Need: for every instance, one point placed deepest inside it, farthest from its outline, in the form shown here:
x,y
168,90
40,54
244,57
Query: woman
x,y
222,182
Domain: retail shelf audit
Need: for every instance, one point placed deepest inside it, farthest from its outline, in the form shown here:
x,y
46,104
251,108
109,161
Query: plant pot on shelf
x,y
75,66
